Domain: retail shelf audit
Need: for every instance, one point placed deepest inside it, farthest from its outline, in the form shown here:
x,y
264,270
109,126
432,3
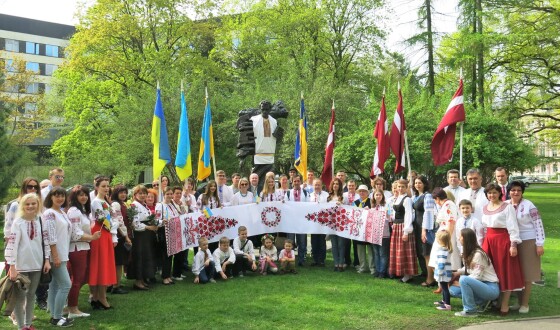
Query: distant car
x,y
536,180
521,178
87,185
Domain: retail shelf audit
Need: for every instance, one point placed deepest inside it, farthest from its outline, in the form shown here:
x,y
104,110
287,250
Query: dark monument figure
x,y
259,134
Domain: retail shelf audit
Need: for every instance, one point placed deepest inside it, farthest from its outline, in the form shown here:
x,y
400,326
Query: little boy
x,y
287,258
224,259
203,264
468,221
244,254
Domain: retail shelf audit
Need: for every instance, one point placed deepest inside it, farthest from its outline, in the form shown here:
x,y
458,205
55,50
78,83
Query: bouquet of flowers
x,y
150,220
103,217
131,212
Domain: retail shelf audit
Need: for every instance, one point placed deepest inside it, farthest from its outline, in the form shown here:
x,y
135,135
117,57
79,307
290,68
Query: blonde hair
x,y
24,199
265,190
202,240
224,240
444,239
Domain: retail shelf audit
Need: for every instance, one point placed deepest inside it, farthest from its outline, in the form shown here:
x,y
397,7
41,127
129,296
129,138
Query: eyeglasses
x,y
30,186
59,177
155,185
243,184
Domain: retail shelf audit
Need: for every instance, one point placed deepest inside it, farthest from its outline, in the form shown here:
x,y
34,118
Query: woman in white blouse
x,y
59,230
502,238
210,197
478,281
243,196
80,208
269,192
24,254
531,248
165,211
188,198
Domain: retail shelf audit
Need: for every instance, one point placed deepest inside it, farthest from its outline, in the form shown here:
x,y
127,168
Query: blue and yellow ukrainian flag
x,y
162,156
206,152
300,153
207,212
183,161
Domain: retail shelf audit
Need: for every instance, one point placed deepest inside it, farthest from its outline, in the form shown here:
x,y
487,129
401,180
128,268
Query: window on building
x,y
542,151
9,66
32,66
47,88
32,48
30,108
51,50
32,88
555,168
554,152
12,45
543,168
50,69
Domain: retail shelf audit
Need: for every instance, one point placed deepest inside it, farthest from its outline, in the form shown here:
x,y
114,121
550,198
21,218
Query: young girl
x,y
165,211
381,252
210,197
287,258
24,254
122,250
269,255
336,195
269,192
443,273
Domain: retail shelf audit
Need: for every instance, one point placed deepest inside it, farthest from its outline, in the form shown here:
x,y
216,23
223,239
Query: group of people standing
x,y
490,239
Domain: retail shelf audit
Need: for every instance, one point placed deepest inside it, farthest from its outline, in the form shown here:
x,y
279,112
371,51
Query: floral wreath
x,y
267,236
277,217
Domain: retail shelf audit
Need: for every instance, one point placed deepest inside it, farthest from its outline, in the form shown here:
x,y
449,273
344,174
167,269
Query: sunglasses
x,y
155,185
59,177
30,186
243,184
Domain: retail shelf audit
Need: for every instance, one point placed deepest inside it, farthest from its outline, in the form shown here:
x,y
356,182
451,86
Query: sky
x,y
401,18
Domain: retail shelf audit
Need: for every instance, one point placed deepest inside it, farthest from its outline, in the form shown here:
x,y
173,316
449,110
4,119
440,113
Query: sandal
x,y
427,285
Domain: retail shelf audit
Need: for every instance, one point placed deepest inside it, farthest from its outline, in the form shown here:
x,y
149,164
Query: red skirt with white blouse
x,y
508,268
402,255
102,269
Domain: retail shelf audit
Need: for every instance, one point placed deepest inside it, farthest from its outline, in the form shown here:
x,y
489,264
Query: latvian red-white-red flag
x,y
397,136
328,166
381,134
444,138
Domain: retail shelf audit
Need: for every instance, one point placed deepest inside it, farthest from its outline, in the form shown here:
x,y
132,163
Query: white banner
x,y
270,217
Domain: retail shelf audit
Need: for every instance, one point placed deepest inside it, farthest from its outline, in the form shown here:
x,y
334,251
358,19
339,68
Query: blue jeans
x,y
301,247
381,256
58,290
338,249
207,273
473,291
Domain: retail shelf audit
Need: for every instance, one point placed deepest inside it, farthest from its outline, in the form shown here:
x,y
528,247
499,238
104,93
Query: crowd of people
x,y
476,243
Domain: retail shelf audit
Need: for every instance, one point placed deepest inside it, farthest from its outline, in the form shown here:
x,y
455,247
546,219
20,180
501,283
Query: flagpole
x,y
461,138
213,156
405,141
334,133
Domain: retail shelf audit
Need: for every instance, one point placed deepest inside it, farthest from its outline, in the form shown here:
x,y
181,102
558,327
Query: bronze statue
x,y
259,134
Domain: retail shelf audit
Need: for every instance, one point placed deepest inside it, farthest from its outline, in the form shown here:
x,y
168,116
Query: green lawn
x,y
315,298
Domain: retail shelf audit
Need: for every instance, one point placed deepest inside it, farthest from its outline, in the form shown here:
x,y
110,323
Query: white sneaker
x,y
177,278
466,314
212,280
523,309
515,307
74,316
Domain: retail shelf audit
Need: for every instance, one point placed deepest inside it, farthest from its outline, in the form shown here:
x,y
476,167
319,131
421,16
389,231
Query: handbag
x,y
46,278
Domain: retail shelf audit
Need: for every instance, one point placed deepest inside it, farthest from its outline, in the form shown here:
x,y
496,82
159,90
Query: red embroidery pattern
x,y
213,226
336,218
276,218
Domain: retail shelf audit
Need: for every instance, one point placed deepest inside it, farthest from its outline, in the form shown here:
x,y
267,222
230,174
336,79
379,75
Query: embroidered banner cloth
x,y
270,217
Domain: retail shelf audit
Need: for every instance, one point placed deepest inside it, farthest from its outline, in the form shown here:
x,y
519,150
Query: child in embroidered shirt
x,y
287,258
443,273
244,254
468,220
224,258
203,266
269,255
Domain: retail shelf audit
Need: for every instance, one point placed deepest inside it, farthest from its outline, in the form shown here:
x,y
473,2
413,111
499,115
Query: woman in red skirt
x,y
501,242
402,253
102,270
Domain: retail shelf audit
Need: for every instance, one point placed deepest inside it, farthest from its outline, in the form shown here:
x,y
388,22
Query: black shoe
x,y
109,289
105,307
118,290
63,323
140,288
95,304
42,305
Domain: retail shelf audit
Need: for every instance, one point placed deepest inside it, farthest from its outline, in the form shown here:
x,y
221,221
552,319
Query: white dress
x,y
447,213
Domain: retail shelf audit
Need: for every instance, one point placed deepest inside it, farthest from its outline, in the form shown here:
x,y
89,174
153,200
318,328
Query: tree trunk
x,y
431,73
474,79
480,55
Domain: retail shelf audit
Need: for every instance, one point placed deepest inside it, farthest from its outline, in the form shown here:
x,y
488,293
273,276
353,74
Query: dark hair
x,y
116,191
465,202
58,191
207,194
470,247
517,184
289,241
493,186
383,202
73,199
424,181
24,184
176,188
100,179
379,179
439,193
338,192
452,171
499,169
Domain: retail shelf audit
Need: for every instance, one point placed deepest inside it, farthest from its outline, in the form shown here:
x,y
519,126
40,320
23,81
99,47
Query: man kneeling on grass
x,y
203,266
287,258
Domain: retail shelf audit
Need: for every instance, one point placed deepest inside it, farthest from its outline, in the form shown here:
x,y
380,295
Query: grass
x,y
316,298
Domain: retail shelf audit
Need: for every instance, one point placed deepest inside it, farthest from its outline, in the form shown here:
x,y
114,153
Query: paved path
x,y
538,323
